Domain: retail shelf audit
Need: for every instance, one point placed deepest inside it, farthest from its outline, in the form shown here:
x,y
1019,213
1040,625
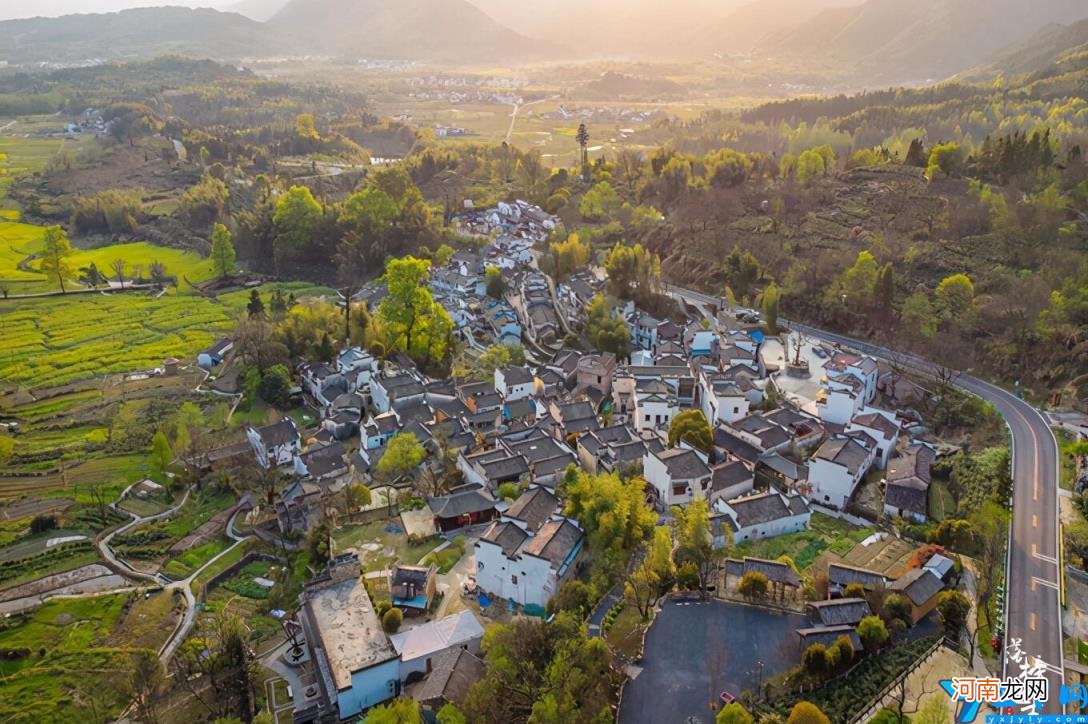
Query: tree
x,y
805,712
954,608
690,426
450,714
582,136
146,684
403,454
916,154
948,158
770,307
612,511
319,545
856,285
607,331
275,386
600,203
955,296
854,590
934,711
733,714
815,662
695,542
408,317
496,285
217,668
295,216
255,307
161,455
118,266
443,254
357,496
568,256
873,632
632,270
753,584
574,596
399,711
222,250
391,620
543,673
895,607
54,255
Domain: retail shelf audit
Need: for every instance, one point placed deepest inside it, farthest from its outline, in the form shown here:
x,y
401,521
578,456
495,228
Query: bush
x,y
382,608
687,577
392,620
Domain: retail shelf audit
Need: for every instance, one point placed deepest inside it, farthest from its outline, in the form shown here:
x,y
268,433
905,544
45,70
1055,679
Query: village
x,y
813,450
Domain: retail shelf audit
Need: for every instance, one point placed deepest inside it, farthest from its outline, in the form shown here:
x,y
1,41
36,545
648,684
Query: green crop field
x,y
68,661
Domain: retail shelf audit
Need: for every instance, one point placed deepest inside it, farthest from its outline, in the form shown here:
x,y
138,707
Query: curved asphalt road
x,y
1032,574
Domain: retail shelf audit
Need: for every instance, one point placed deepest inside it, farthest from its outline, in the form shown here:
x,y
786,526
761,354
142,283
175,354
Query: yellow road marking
x,y
1032,623
1034,521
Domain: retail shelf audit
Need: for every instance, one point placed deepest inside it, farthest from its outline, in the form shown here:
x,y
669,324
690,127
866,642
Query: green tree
x,y
399,711
916,154
582,136
805,712
632,270
742,271
753,584
543,673
947,158
873,632
255,307
408,317
770,307
443,254
54,255
403,454
607,331
955,297
568,256
392,619
733,714
612,511
222,250
450,714
856,285
814,660
295,216
885,288
917,317
954,608
275,386
690,426
600,203
161,455
896,607
934,711
496,285
319,546
7,447
695,542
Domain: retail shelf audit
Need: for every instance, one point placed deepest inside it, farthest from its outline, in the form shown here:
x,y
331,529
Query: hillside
x,y
140,32
748,26
259,10
888,41
432,30
1041,50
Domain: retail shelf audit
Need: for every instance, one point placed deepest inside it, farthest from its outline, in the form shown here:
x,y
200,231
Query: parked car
x,y
819,352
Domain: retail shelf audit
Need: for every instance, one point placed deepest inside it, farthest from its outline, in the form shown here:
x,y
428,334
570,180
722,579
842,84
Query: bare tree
x,y
146,685
118,267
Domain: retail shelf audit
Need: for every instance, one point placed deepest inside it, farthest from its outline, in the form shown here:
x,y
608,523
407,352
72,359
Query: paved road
x,y
1034,610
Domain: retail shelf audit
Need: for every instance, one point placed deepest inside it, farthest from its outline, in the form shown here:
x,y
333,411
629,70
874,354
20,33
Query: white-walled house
x,y
835,470
765,515
527,568
721,399
388,389
654,410
275,444
882,427
838,402
862,368
679,475
357,358
515,383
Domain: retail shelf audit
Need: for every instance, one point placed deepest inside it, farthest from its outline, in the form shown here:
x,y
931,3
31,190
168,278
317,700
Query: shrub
x,y
392,620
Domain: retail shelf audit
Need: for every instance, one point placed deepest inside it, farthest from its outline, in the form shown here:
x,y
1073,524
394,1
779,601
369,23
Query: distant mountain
x,y
751,24
890,41
259,10
652,29
1037,53
141,32
432,30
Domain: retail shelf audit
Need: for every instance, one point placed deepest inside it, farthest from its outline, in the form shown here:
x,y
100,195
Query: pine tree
x,y
255,306
916,154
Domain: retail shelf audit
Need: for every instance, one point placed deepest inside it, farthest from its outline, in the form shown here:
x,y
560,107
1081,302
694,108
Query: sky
x,y
10,9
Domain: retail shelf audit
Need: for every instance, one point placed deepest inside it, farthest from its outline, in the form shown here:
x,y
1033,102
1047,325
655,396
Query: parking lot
x,y
695,650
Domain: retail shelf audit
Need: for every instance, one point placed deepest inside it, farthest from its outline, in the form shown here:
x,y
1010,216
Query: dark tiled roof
x,y
733,445
506,535
828,635
453,675
842,575
876,421
517,375
843,451
919,585
555,541
533,507
325,460
460,503
911,495
840,612
775,571
763,508
914,463
683,464
278,433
